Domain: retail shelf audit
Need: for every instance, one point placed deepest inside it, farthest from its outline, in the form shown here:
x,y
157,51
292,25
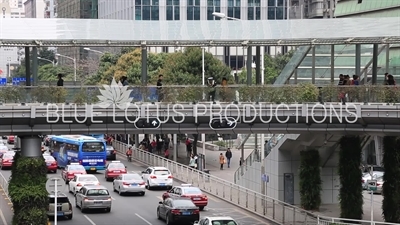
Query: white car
x,y
129,183
157,177
217,220
81,180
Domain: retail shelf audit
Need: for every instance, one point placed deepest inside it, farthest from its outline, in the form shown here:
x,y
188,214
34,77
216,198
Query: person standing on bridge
x,y
221,161
228,155
60,81
159,88
124,81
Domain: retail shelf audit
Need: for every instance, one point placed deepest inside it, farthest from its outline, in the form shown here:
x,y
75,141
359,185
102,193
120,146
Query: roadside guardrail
x,y
4,184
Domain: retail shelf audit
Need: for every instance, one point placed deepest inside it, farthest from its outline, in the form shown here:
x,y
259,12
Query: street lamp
x,y
223,16
73,59
92,50
47,60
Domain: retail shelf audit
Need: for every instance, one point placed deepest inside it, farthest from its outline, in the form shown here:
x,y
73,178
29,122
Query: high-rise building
x,y
35,8
10,56
75,9
51,9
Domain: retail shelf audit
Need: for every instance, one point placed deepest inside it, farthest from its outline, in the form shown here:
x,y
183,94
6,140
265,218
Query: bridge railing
x,y
172,94
4,184
244,198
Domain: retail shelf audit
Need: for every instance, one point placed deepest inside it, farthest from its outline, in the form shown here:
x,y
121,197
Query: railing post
x,y
230,193
255,202
294,216
264,200
273,209
247,199
283,213
223,191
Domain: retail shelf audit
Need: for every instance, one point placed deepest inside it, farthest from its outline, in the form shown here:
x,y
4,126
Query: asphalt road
x,y
140,210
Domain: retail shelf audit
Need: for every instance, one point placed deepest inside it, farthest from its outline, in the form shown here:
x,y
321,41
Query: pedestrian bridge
x,y
252,117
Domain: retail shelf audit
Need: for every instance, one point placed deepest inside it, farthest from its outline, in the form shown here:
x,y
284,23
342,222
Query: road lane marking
x,y
3,218
143,219
88,219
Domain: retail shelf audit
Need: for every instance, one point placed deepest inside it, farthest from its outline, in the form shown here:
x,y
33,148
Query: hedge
x,y
310,180
350,194
27,189
391,178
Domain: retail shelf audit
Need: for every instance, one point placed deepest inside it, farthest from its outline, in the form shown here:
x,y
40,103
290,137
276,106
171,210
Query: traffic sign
x,y
227,123
3,81
372,185
55,184
147,123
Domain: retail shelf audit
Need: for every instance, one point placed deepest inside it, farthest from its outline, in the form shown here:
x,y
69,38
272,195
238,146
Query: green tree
x,y
44,53
49,72
107,60
391,178
273,66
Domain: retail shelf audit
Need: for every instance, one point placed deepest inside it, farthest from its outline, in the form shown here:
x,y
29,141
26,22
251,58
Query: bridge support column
x,y
258,66
27,67
313,65
31,146
332,63
358,60
387,58
375,55
144,65
249,63
34,66
175,140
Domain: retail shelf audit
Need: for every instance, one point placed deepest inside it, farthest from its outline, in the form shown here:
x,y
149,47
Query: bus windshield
x,y
93,147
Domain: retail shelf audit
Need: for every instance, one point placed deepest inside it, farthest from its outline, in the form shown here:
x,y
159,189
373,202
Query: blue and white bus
x,y
97,136
88,151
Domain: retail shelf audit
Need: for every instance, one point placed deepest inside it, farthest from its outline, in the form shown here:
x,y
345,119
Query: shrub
x,y
350,194
27,190
310,180
391,178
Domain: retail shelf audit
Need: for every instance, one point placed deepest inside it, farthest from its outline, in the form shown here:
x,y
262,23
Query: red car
x,y
6,160
51,163
10,139
70,170
188,191
114,169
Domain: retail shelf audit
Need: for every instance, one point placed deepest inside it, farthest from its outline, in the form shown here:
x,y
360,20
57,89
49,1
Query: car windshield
x,y
192,190
87,179
97,192
59,200
223,222
132,177
116,166
93,147
76,168
161,172
8,156
183,203
49,158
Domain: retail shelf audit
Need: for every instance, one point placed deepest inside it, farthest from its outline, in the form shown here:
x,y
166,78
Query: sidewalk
x,y
212,161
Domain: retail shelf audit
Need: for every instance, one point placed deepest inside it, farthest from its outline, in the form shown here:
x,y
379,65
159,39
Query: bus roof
x,y
75,138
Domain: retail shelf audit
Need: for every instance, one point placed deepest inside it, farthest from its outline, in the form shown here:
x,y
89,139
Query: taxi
x,y
114,169
71,170
188,191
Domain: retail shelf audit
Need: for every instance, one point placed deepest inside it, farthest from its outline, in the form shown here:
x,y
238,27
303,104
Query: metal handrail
x,y
248,161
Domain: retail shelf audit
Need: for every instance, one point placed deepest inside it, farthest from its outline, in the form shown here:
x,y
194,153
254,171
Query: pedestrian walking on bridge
x,y
221,161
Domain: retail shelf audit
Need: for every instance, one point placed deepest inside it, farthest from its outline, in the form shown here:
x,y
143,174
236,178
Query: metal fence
x,y
4,184
261,205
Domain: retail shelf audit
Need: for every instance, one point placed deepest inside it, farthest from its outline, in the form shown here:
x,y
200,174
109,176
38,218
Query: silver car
x,y
93,197
367,176
129,183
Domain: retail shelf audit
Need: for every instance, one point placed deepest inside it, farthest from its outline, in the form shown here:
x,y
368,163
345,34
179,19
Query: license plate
x,y
196,199
98,202
186,213
48,164
133,184
92,168
60,214
162,184
116,171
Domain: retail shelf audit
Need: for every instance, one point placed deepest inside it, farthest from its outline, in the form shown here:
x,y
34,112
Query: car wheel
x,y
201,208
82,209
108,210
69,189
143,193
76,203
69,217
119,191
148,186
158,214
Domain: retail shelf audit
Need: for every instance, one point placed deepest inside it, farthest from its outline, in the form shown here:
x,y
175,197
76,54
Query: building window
x,y
173,11
213,6
193,9
275,10
147,10
253,10
234,8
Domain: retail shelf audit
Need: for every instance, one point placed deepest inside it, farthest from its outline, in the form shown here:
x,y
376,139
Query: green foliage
x,y
350,195
273,66
220,143
43,53
309,92
49,72
310,180
391,178
41,94
11,94
27,190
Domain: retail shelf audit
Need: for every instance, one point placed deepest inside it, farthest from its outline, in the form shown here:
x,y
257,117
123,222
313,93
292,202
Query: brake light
x,y
143,183
114,152
123,171
86,199
153,177
54,163
362,181
70,206
170,177
204,197
196,211
175,212
79,185
5,160
184,196
125,183
70,174
378,184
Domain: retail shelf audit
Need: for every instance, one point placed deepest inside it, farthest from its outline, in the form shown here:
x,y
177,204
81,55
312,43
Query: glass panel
x,y
250,13
190,13
210,2
237,12
230,3
196,13
237,3
250,3
217,2
189,2
170,13
279,2
176,2
210,11
271,13
93,147
279,13
169,2
257,2
145,2
138,13
197,2
271,2
155,13
146,13
156,2
230,11
177,13
138,2
217,9
258,13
